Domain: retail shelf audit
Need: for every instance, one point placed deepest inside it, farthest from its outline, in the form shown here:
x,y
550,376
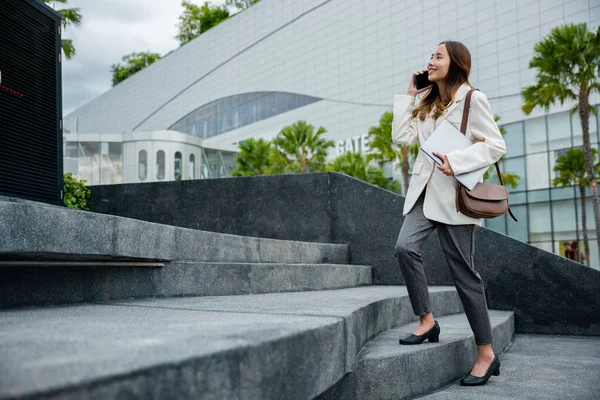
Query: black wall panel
x,y
30,102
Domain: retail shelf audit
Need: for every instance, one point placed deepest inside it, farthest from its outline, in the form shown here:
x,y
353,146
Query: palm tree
x,y
255,158
354,164
508,179
572,171
302,149
387,151
567,63
70,16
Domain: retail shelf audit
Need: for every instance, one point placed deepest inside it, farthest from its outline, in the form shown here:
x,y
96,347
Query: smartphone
x,y
422,80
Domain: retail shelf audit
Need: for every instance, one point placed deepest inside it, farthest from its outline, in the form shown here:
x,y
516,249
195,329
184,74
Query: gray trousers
x,y
458,244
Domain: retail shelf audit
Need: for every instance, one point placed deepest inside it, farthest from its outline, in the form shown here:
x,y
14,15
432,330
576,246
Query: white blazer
x,y
488,147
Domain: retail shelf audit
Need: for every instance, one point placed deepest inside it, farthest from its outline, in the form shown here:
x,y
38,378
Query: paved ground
x,y
539,367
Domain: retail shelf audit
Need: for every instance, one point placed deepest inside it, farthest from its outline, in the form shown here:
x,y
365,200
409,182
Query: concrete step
x,y
384,369
35,232
218,279
41,286
262,346
539,367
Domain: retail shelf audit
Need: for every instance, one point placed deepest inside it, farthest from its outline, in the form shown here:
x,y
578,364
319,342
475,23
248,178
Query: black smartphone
x,y
422,80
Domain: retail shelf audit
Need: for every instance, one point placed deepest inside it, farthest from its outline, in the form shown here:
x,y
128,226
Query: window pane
x,y
518,230
160,165
562,193
559,131
221,106
514,139
261,103
89,162
211,128
71,150
537,196
178,167
236,117
537,171
192,167
518,198
535,135
280,103
547,246
246,111
564,220
291,101
212,163
229,160
115,160
271,105
539,222
497,224
516,166
142,165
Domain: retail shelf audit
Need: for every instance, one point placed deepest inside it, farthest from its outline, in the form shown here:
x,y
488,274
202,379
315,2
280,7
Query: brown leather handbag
x,y
485,200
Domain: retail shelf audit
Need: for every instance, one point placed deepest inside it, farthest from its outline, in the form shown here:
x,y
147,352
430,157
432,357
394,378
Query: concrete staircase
x,y
99,306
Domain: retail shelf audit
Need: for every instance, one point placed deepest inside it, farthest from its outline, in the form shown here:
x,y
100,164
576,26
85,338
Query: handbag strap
x,y
463,129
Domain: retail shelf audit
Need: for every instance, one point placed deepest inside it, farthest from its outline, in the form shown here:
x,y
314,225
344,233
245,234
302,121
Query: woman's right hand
x,y
412,87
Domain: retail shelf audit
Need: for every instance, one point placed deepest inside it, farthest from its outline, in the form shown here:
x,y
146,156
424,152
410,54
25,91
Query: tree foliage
x,y
255,158
241,4
301,148
133,63
572,170
387,151
567,64
69,16
75,193
196,20
357,166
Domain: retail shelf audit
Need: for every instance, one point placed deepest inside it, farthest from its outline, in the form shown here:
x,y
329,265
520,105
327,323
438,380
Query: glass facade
x,y
142,165
233,112
177,168
99,163
160,165
192,167
549,217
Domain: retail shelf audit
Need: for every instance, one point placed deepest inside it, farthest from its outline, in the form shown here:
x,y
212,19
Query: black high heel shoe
x,y
493,369
433,335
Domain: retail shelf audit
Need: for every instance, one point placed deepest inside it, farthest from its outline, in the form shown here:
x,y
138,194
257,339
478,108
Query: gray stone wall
x,y
549,294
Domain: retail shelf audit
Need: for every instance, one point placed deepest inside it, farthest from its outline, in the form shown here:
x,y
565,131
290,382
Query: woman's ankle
x,y
427,319
485,352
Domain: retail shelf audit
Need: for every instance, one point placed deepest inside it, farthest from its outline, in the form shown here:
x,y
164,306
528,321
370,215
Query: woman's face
x,y
439,64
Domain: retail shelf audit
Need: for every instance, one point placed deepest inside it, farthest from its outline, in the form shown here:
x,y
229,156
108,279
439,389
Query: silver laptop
x,y
446,138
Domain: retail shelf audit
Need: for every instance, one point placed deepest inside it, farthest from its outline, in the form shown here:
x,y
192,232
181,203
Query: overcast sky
x,y
111,29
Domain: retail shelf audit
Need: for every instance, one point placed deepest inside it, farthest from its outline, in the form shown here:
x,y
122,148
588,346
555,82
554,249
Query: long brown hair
x,y
458,73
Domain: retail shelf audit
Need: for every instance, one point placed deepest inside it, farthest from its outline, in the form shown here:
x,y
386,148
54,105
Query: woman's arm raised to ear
x,y
490,147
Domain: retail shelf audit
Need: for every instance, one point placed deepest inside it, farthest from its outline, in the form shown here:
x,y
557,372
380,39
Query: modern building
x,y
337,64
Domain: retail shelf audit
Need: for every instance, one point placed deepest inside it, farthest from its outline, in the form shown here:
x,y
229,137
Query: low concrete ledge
x,y
34,285
279,345
386,370
29,229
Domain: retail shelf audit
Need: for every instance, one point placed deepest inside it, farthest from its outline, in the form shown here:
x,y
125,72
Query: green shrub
x,y
76,194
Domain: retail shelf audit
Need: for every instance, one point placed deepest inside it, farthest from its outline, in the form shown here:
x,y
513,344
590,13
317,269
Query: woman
x,y
431,199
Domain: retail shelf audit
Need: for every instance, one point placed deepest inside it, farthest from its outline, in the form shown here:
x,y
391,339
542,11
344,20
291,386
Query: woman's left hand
x,y
445,167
